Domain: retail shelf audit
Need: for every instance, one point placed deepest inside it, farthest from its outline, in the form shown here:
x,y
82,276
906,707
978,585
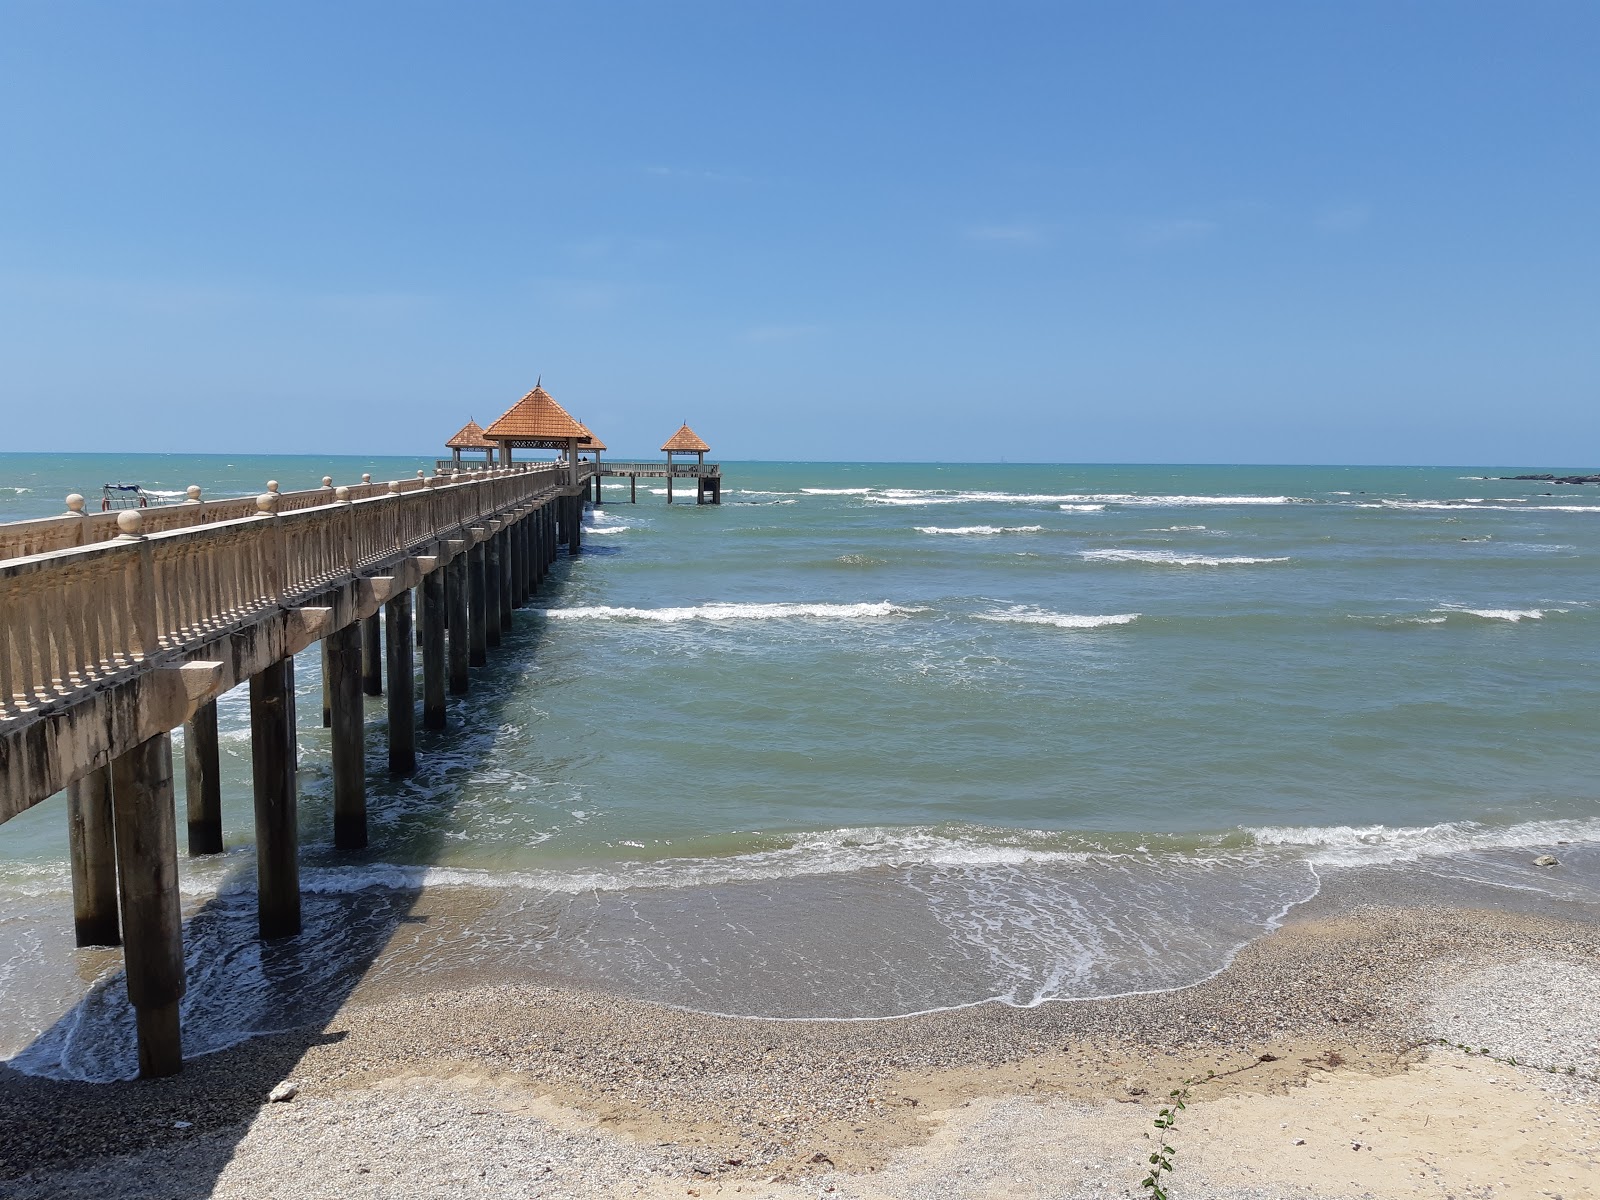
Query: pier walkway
x,y
116,628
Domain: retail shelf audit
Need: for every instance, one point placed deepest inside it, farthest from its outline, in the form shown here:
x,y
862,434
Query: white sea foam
x,y
911,497
1497,614
1155,501
1178,529
157,492
1022,614
16,491
1083,508
1172,558
736,612
856,491
979,530
1363,845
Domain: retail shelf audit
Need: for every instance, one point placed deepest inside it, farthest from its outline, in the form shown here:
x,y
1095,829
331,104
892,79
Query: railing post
x,y
143,584
276,551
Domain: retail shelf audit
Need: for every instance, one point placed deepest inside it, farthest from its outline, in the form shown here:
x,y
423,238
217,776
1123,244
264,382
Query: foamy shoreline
x,y
509,1089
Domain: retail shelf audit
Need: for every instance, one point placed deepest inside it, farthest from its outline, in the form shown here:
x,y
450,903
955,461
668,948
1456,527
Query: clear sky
x,y
1192,232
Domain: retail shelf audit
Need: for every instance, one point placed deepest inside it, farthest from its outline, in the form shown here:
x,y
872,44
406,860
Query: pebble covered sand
x,y
534,1091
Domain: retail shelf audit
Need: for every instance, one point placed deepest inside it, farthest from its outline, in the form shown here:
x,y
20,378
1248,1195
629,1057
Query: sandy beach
x,y
1325,1039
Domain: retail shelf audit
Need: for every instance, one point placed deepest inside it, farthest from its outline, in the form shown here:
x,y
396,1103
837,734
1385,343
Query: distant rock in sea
x,y
1557,478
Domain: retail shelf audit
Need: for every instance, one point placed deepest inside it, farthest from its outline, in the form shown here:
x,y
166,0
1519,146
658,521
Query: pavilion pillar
x,y
491,588
152,914
524,529
432,623
92,834
456,616
669,485
476,606
372,655
202,780
575,532
633,489
272,753
349,739
402,686
505,537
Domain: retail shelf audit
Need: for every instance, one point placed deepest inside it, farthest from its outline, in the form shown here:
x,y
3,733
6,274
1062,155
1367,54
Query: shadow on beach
x,y
280,995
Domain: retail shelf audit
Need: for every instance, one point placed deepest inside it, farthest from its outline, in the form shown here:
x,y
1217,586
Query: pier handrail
x,y
75,620
77,528
661,469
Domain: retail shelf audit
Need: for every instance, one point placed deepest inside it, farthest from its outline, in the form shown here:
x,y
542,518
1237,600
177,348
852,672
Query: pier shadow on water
x,y
70,1095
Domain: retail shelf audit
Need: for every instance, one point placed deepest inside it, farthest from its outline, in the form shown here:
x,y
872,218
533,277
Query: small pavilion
x,y
470,438
687,441
537,422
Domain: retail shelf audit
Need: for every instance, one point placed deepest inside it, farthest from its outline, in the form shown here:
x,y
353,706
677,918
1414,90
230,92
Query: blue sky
x,y
1271,232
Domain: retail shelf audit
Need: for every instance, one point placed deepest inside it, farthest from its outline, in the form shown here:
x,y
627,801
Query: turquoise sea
x,y
872,739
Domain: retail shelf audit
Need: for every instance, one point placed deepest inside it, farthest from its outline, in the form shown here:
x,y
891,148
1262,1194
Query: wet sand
x,y
1323,1037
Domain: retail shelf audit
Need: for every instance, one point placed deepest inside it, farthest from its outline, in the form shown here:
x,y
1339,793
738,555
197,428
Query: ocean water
x,y
876,739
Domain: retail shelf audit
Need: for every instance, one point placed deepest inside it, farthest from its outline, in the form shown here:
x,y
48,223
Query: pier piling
x,y
456,616
491,587
91,833
402,686
372,655
503,539
476,606
431,623
202,780
152,918
272,747
349,741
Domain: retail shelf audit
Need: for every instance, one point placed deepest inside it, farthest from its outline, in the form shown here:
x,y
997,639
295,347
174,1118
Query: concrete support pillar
x,y
456,616
431,623
491,589
272,752
633,489
372,655
91,834
575,537
349,739
152,916
476,606
669,488
202,780
522,577
327,693
402,686
507,600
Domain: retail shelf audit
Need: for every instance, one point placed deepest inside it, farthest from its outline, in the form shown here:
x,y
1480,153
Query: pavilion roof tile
x,y
536,417
470,438
686,441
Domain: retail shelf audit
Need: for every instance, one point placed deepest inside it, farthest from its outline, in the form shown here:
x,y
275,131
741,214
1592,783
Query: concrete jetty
x,y
115,632
118,627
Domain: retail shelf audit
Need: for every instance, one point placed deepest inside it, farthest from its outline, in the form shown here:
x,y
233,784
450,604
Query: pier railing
x,y
167,580
78,527
662,470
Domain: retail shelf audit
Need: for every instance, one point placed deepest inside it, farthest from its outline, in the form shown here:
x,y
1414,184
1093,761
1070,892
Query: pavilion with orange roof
x,y
470,437
538,422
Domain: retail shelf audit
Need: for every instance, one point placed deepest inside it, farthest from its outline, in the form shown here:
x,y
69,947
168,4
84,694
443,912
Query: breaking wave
x,y
1022,614
1172,558
979,530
